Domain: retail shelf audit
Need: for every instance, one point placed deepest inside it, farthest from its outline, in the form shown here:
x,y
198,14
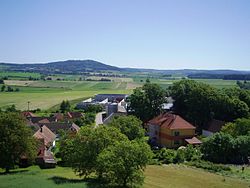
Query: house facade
x,y
170,130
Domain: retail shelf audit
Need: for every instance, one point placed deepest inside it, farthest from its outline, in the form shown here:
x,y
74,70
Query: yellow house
x,y
171,131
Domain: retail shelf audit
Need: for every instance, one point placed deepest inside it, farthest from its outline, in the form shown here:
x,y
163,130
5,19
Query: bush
x,y
165,156
209,166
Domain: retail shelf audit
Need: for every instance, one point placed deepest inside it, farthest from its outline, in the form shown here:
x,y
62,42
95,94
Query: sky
x,y
159,34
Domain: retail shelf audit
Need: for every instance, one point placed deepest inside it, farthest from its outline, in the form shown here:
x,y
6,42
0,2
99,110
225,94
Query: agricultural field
x,y
49,93
20,75
169,176
46,94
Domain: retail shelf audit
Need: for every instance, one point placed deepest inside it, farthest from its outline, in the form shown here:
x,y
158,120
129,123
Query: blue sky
x,y
160,34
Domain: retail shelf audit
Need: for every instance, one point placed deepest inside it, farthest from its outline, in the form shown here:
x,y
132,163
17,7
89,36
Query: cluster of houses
x,y
166,130
46,131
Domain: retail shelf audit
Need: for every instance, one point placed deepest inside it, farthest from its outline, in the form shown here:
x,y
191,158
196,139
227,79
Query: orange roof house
x,y
170,130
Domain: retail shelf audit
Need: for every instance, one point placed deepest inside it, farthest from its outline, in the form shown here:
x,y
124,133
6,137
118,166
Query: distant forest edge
x,y
84,66
220,76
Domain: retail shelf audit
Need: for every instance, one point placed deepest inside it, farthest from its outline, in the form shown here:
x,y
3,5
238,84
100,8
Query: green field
x,y
171,176
19,75
46,94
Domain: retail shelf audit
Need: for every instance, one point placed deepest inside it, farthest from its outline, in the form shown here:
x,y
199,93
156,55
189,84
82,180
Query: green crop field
x,y
46,94
171,176
19,75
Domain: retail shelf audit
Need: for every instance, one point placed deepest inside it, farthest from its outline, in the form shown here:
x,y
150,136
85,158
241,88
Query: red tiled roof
x,y
44,121
193,141
28,114
46,134
171,121
73,115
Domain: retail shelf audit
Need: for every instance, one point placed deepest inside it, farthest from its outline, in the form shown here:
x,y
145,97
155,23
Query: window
x,y
177,133
176,142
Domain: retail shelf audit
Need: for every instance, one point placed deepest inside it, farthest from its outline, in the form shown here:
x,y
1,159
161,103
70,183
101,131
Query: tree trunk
x,y
7,170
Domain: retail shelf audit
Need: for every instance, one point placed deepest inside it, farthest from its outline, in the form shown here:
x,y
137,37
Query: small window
x,y
177,133
176,142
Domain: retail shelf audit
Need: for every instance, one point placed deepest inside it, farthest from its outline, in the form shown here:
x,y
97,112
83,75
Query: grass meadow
x,y
170,176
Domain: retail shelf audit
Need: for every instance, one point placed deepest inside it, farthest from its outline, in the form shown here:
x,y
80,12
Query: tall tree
x,y
123,163
82,151
146,102
130,126
65,106
16,140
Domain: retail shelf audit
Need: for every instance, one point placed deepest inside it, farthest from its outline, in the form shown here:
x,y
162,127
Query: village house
x,y
171,131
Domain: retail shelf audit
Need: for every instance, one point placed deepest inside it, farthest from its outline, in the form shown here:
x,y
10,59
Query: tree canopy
x,y
16,140
129,125
65,106
199,103
123,163
146,102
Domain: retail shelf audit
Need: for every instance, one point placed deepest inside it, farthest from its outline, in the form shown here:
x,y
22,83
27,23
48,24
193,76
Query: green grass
x,y
175,176
18,75
171,176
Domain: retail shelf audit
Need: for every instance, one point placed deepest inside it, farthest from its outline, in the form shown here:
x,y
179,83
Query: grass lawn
x,y
170,176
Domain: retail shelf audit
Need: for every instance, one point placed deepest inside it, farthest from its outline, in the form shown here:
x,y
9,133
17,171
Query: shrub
x,y
209,166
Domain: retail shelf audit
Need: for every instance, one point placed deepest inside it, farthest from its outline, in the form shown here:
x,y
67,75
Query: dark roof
x,y
38,119
171,121
56,126
214,125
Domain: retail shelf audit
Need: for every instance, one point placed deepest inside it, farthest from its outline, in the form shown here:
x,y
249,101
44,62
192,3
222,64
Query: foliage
x,y
209,166
65,106
223,148
15,140
124,162
11,108
238,127
146,102
1,81
94,108
129,125
87,119
165,156
81,151
3,88
199,103
181,155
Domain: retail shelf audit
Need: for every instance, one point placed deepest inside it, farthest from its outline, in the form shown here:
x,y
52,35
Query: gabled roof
x,y
74,115
214,125
46,134
171,121
193,141
59,116
28,114
56,126
37,119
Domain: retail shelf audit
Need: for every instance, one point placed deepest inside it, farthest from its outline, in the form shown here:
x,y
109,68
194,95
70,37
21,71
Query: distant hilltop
x,y
83,66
